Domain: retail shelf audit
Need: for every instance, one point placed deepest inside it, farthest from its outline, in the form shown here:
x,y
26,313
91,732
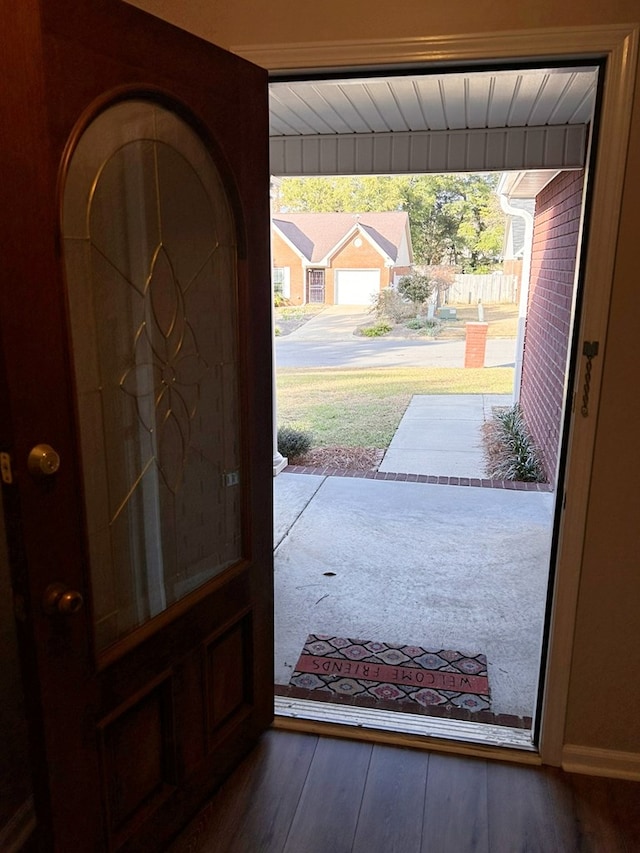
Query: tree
x,y
441,278
455,220
416,287
355,194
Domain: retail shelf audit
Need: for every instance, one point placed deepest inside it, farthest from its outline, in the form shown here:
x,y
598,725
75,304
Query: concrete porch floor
x,y
443,567
437,566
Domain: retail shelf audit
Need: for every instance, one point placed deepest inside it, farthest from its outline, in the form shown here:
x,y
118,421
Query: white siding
x,y
476,150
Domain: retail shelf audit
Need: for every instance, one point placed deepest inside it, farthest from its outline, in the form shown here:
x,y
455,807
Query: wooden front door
x,y
136,413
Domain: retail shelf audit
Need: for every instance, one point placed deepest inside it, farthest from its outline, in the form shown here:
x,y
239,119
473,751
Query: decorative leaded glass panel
x,y
150,257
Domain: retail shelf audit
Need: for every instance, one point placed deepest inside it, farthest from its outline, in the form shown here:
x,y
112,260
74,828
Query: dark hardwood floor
x,y
300,793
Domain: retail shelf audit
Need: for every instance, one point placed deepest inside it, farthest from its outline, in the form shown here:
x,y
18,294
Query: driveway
x,y
334,323
328,340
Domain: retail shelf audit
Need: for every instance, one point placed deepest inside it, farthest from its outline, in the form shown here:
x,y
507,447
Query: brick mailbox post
x,y
475,344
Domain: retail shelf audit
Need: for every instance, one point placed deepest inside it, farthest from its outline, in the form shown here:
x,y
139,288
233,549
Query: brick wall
x,y
282,255
553,263
352,257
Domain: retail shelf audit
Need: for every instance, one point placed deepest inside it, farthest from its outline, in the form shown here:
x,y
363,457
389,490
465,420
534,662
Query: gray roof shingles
x,y
316,234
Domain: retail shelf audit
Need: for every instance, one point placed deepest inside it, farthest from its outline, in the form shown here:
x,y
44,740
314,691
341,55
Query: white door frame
x,y
618,45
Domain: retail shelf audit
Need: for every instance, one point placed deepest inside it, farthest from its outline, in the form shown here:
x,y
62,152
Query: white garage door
x,y
356,287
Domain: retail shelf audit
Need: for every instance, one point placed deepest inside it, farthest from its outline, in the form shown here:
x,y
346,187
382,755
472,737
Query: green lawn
x,y
363,407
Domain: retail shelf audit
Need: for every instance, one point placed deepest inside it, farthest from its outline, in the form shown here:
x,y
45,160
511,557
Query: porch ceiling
x,y
470,121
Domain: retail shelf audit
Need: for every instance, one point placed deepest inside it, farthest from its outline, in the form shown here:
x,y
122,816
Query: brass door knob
x,y
59,599
43,461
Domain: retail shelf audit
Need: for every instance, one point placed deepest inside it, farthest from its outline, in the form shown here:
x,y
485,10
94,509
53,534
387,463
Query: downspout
x,y
524,288
280,462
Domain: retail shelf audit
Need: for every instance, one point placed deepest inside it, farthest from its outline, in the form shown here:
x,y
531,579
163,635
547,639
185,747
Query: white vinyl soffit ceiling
x,y
470,121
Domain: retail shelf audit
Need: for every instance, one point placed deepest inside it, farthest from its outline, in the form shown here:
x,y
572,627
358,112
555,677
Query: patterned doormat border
x,y
411,679
402,673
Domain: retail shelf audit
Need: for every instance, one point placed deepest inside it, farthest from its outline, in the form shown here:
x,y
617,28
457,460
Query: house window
x,y
281,281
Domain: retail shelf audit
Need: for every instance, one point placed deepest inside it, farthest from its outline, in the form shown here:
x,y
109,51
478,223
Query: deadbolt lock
x,y
43,461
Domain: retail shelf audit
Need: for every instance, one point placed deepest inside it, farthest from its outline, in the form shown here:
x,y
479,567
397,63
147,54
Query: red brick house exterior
x,y
338,257
556,232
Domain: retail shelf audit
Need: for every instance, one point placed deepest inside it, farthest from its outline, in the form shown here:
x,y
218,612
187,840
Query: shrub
x,y
512,453
429,326
293,312
293,443
389,304
416,287
376,331
279,300
414,323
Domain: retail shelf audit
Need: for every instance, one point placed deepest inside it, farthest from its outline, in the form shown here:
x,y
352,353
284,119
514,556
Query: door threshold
x,y
394,727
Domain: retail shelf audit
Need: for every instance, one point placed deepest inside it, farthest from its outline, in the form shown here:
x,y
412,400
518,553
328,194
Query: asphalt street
x,y
328,340
378,352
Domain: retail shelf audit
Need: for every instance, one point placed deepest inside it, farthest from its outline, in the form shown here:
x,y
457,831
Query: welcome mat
x,y
407,678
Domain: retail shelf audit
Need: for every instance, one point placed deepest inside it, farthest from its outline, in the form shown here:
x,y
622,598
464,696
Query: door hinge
x,y
5,468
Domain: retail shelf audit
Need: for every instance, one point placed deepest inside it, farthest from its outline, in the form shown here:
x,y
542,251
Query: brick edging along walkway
x,y
420,478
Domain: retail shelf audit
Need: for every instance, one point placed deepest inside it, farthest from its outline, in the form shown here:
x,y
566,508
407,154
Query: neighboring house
x,y
515,242
338,258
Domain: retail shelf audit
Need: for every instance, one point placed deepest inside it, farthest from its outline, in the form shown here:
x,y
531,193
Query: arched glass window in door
x,y
150,259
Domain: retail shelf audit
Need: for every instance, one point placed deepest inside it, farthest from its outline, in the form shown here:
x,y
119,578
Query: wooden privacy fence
x,y
469,289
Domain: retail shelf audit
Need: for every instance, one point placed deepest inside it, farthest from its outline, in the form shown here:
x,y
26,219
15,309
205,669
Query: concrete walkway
x,y
436,566
441,434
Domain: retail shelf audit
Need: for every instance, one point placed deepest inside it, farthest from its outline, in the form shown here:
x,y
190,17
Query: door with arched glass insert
x,y
150,256
139,391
